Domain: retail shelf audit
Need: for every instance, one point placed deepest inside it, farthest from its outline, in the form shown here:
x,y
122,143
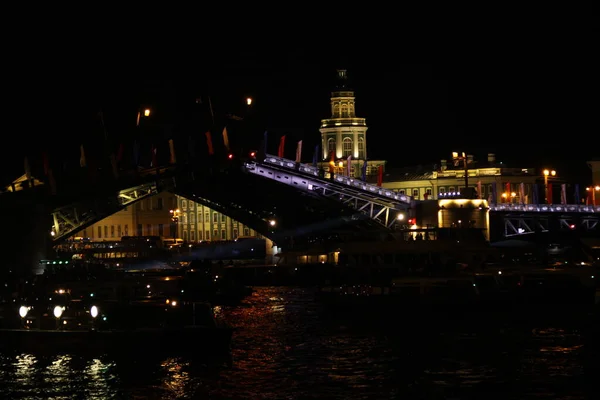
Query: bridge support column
x,y
25,235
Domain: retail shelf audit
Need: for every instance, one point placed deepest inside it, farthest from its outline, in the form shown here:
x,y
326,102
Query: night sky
x,y
531,98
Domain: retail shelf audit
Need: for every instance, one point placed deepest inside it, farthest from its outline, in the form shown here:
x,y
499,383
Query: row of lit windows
x,y
118,231
216,235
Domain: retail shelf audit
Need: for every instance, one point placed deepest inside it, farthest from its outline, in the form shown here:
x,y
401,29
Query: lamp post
x,y
463,157
175,219
146,113
547,173
593,190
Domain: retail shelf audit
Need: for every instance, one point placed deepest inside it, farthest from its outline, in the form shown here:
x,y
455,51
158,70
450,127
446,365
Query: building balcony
x,y
336,122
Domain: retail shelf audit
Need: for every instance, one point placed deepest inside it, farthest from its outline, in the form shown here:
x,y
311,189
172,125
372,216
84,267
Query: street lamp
x,y
249,101
547,173
593,190
147,112
463,157
175,218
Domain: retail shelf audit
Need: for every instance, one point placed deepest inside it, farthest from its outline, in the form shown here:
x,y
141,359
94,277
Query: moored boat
x,y
62,323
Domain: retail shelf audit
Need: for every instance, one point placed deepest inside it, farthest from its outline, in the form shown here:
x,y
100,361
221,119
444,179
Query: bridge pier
x,y
26,234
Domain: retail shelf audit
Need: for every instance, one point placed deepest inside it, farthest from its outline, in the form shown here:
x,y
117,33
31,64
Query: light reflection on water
x,y
289,348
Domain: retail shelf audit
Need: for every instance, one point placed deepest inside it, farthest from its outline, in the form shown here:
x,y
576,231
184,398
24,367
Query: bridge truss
x,y
79,215
380,204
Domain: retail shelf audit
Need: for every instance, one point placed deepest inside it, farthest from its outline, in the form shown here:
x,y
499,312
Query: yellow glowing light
x,y
147,112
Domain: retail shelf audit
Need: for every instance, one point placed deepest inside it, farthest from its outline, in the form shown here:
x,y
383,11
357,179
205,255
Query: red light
x,y
230,156
253,154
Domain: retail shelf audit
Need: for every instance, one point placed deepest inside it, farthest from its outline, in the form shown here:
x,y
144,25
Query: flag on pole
x,y
299,151
364,171
281,147
173,159
349,166
212,114
154,162
82,162
316,156
120,152
209,144
563,193
225,138
521,193
380,175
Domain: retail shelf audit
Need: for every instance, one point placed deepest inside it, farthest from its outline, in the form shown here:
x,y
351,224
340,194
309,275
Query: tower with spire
x,y
344,135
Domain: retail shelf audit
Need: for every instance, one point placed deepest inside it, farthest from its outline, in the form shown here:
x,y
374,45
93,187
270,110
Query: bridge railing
x,y
546,208
357,183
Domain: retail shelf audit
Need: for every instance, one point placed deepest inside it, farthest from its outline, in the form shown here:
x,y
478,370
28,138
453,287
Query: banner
x,y
479,194
534,194
364,171
82,162
299,151
281,147
120,152
576,195
154,162
225,138
209,143
549,194
563,193
349,166
173,159
316,156
522,193
494,193
380,175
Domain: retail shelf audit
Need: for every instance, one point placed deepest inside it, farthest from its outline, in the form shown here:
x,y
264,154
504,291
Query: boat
x,y
62,322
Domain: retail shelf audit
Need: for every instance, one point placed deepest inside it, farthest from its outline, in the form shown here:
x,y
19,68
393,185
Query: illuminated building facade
x,y
344,135
169,216
447,180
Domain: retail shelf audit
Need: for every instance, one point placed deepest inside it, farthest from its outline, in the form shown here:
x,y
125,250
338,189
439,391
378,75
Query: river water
x,y
289,347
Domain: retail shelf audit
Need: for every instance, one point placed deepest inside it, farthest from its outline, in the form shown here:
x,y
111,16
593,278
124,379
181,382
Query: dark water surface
x,y
288,347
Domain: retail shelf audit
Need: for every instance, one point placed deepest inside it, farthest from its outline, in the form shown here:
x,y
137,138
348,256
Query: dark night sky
x,y
529,95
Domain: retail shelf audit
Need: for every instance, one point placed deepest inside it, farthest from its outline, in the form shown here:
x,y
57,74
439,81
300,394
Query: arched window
x,y
361,148
331,147
345,111
347,147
